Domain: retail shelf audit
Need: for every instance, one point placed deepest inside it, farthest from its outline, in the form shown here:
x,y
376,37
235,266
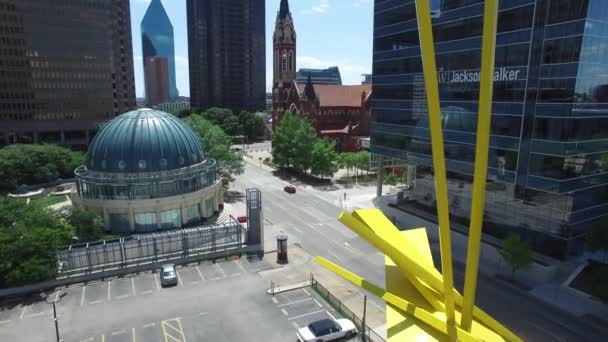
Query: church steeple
x,y
284,9
284,43
309,90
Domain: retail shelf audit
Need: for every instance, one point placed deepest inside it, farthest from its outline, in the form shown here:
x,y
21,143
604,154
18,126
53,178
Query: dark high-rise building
x,y
330,75
226,43
156,73
157,41
548,158
65,67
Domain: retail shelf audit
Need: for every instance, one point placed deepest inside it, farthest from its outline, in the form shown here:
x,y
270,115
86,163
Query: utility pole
x,y
54,301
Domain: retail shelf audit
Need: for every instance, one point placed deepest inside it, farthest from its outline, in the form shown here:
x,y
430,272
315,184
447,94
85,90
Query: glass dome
x,y
144,140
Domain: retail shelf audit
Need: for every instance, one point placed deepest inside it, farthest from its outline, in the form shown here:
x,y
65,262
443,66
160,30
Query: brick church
x,y
341,113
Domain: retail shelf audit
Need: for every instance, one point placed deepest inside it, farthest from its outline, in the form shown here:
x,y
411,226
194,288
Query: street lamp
x,y
55,300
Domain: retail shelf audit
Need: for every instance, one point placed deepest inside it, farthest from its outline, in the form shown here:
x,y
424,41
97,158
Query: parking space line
x,y
84,287
133,334
296,302
23,312
146,292
241,266
316,301
119,332
103,338
181,330
156,281
95,302
275,300
295,325
221,270
306,314
306,292
109,287
56,296
330,315
179,279
200,273
123,296
284,312
133,285
37,314
5,321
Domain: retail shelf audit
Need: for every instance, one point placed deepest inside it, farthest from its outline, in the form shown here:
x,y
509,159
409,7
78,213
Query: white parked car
x,y
327,330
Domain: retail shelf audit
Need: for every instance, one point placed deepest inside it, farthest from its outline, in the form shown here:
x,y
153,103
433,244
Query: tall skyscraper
x,y
65,67
156,73
548,158
226,42
157,41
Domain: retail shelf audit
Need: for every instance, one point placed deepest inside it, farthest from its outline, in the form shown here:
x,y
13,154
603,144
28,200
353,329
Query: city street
x,y
311,221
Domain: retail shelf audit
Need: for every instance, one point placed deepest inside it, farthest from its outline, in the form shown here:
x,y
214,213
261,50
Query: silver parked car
x,y
168,275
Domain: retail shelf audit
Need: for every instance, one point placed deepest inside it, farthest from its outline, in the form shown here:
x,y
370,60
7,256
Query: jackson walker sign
x,y
465,76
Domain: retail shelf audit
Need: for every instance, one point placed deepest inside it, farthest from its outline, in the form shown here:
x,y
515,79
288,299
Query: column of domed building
x,y
146,171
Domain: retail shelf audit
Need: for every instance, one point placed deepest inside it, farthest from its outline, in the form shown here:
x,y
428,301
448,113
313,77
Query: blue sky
x,y
329,32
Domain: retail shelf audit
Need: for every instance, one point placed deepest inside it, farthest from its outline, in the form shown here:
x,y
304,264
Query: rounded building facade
x,y
146,171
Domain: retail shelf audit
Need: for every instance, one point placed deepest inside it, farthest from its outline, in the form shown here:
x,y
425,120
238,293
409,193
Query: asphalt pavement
x,y
311,221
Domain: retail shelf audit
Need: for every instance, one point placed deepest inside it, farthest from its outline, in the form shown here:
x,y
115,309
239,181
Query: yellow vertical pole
x,y
425,31
486,84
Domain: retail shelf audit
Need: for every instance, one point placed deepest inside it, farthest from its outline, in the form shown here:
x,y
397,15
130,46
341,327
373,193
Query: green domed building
x,y
145,171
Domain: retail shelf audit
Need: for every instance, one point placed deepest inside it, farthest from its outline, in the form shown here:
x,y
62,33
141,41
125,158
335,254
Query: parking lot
x,y
212,301
302,306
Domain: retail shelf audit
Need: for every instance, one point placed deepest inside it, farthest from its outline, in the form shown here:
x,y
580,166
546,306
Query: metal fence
x,y
152,248
366,333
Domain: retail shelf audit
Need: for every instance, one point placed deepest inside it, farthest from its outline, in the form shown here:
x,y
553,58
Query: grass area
x,y
45,201
593,279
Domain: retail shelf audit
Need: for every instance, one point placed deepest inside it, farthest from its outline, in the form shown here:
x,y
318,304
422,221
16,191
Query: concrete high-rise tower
x,y
157,41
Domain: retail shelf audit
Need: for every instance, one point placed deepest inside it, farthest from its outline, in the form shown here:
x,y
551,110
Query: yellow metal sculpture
x,y
422,304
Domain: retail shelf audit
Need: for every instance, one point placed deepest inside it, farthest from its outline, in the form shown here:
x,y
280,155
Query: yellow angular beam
x,y
486,86
400,303
429,67
394,249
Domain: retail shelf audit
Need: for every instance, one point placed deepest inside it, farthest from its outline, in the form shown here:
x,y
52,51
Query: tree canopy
x,y
516,252
88,225
29,235
235,124
218,146
292,143
35,164
324,158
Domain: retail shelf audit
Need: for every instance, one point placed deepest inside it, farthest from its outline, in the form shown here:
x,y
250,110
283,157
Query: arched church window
x,y
284,61
291,63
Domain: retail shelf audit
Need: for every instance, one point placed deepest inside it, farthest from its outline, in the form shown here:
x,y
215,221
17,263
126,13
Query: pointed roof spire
x,y
309,89
284,9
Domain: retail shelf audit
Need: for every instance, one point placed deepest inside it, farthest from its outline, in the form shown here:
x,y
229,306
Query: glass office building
x,y
157,41
548,158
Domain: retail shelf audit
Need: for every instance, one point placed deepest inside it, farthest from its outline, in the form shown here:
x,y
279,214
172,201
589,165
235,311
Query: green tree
x,y
516,252
28,237
87,224
390,179
182,113
362,158
231,126
324,158
303,140
218,146
217,116
283,149
35,164
251,124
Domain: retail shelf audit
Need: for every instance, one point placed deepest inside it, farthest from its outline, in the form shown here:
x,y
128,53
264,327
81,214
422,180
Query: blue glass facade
x,y
330,75
548,161
157,40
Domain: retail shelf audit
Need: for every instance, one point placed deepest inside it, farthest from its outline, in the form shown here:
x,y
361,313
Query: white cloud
x,y
321,8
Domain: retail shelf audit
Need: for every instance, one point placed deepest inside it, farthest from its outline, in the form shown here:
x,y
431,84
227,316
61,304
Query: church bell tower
x,y
284,43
